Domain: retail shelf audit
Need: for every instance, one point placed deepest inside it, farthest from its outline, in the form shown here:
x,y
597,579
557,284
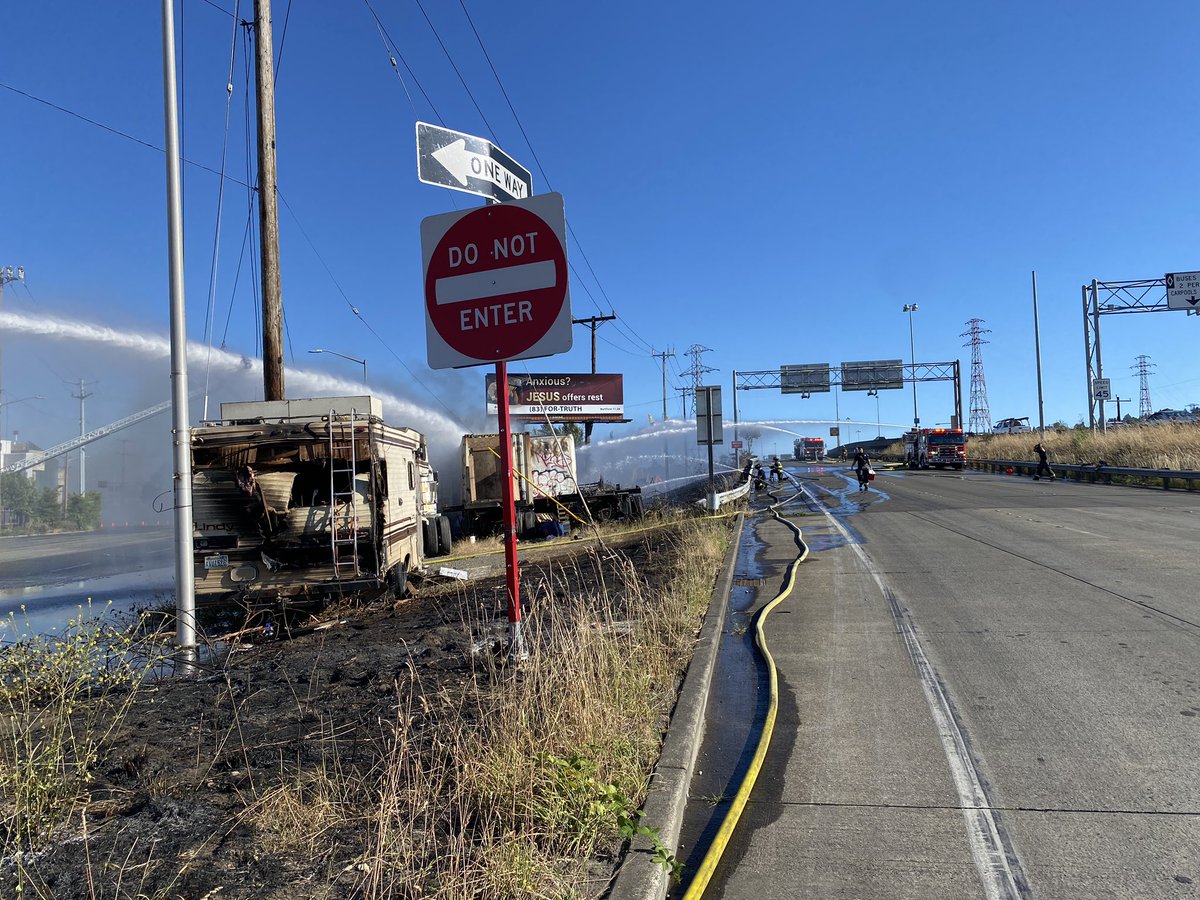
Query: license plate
x,y
216,562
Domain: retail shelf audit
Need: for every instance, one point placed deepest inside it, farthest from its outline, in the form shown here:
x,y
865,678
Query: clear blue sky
x,y
772,181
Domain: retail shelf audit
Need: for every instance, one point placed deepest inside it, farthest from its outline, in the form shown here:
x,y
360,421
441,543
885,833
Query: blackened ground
x,y
167,811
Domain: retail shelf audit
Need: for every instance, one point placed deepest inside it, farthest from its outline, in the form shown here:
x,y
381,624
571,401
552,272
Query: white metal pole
x,y
1037,343
185,586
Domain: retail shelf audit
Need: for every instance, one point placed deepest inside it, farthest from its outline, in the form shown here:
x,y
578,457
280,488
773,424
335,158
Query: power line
x,y
454,66
110,129
630,333
393,51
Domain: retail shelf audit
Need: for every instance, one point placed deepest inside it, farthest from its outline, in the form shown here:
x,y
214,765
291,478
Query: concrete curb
x,y
639,877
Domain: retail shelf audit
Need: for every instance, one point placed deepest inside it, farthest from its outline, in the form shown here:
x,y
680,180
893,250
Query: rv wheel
x,y
397,581
443,529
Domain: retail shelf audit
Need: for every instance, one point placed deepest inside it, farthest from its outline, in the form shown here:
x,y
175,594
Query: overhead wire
x,y
454,66
630,333
356,311
110,129
287,15
393,52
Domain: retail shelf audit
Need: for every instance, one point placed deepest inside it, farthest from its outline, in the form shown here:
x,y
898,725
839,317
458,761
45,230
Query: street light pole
x,y
361,362
911,308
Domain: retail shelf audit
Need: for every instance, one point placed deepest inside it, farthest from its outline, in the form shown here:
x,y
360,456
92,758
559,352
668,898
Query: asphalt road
x,y
990,687
50,558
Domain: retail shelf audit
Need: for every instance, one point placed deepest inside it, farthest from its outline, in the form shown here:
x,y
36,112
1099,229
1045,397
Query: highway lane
x,y
1061,625
1065,621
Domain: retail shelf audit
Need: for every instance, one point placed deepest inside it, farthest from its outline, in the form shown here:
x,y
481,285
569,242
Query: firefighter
x,y
777,470
1043,468
760,478
862,466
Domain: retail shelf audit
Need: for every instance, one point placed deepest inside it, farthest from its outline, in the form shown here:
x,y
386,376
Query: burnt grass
x,y
166,814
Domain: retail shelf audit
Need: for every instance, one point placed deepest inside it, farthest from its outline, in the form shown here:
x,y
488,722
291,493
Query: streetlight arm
x,y
361,362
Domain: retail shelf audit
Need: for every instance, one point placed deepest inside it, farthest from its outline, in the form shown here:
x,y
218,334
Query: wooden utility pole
x,y
593,322
664,356
268,205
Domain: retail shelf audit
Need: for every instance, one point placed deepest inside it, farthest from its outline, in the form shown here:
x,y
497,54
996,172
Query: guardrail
x,y
1096,474
715,501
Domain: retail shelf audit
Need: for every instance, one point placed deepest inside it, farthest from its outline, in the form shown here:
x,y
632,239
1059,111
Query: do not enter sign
x,y
496,283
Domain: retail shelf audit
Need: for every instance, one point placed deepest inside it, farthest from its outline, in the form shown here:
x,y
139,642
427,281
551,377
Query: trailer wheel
x,y
635,507
445,542
429,532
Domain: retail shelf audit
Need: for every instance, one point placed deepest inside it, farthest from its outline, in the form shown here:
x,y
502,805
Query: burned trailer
x,y
307,498
546,492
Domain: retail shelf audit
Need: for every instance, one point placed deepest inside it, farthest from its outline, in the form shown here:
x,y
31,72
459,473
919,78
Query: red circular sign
x,y
496,282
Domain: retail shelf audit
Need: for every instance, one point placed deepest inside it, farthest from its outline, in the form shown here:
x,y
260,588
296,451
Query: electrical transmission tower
x,y
1143,367
981,416
698,370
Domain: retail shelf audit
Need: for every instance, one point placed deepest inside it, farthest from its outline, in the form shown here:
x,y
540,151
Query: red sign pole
x,y
517,647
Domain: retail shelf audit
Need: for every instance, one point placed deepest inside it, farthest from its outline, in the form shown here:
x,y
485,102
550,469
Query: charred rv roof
x,y
256,412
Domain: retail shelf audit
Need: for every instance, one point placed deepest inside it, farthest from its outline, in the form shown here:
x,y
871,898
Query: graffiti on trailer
x,y
551,468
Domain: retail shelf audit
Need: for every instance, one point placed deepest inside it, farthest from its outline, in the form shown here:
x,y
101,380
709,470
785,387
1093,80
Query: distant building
x,y
44,474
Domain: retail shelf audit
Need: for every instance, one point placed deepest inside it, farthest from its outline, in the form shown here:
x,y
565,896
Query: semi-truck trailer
x,y
545,486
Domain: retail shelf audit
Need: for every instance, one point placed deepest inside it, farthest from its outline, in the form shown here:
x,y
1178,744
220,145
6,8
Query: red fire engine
x,y
936,447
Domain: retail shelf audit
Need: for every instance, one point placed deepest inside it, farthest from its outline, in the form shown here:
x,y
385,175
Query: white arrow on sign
x,y
462,163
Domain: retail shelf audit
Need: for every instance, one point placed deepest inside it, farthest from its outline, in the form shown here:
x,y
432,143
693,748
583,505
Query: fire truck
x,y
936,447
809,448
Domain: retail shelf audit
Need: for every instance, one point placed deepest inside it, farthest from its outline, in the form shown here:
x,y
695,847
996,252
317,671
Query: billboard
x,y
811,378
561,398
873,375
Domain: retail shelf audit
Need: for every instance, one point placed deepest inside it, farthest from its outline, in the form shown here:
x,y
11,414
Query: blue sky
x,y
772,181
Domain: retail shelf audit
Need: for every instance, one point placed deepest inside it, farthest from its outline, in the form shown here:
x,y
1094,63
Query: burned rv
x,y
307,498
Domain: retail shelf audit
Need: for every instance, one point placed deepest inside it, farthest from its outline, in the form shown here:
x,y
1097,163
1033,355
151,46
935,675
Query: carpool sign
x,y
496,283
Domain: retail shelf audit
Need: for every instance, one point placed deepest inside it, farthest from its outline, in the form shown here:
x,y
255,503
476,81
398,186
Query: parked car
x,y
1018,425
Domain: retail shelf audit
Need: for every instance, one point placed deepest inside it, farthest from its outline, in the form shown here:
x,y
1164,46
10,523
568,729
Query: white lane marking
x,y
496,282
983,834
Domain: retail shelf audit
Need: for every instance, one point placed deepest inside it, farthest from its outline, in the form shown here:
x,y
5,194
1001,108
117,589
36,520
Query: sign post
x,y
709,429
496,291
508,502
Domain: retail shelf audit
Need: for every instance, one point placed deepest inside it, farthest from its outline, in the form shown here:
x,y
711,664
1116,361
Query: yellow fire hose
x,y
717,848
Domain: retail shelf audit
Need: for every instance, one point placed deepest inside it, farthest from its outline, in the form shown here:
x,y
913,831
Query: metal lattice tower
x,y
1143,367
981,416
697,370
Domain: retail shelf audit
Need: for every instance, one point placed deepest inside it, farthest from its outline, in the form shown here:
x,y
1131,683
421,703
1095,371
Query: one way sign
x,y
1183,290
470,164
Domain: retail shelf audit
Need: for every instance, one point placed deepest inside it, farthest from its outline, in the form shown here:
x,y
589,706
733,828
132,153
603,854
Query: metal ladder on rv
x,y
343,521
